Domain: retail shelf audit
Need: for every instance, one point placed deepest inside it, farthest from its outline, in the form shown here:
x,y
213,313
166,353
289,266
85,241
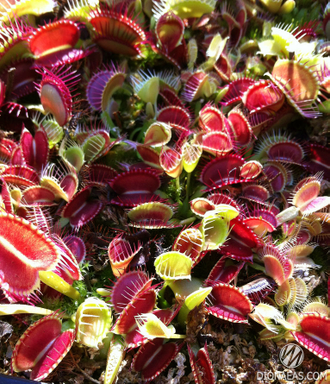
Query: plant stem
x,y
187,187
178,188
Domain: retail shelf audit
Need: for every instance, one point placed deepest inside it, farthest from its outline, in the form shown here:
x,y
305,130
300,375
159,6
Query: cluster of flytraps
x,y
218,107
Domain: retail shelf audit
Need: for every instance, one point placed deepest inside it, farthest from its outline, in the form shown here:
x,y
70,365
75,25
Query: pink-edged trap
x,y
7,146
211,119
256,193
99,175
217,143
169,31
95,143
260,121
24,251
69,262
286,150
20,176
38,196
176,116
261,221
235,90
201,205
193,88
135,338
241,241
63,182
35,150
143,302
14,45
53,42
158,134
305,195
42,347
82,208
258,289
315,335
190,242
201,366
5,197
229,303
263,95
221,171
224,67
171,98
240,127
225,270
127,287
121,253
251,169
56,92
277,265
299,83
16,157
103,85
149,155
151,215
277,175
177,57
153,357
171,161
76,246
116,32
135,187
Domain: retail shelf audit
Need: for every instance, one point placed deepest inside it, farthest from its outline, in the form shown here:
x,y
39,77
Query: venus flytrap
x,y
79,10
201,364
214,230
18,9
308,329
215,225
50,345
93,321
158,135
190,242
191,293
53,130
146,86
34,252
116,354
266,314
214,51
151,327
183,9
305,200
72,154
173,266
252,208
103,85
42,347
